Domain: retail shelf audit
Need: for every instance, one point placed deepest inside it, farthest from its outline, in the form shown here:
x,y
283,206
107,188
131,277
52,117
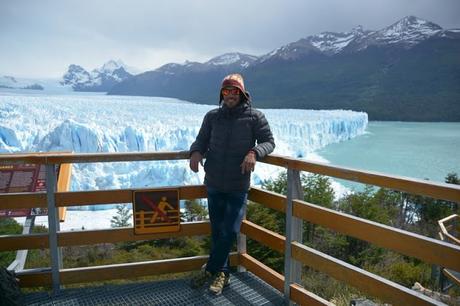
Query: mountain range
x,y
407,71
10,82
100,79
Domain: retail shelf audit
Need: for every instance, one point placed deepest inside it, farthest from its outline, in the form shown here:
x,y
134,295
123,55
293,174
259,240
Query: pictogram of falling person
x,y
161,210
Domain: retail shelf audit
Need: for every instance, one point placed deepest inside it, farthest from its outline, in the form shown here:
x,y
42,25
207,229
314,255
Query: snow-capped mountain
x,y
410,61
226,62
75,76
10,82
100,79
405,33
232,59
111,66
176,68
333,43
328,43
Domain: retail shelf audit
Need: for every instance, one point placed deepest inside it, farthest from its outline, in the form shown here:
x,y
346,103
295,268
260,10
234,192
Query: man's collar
x,y
234,110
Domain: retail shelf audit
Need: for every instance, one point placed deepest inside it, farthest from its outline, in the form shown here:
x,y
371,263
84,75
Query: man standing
x,y
231,138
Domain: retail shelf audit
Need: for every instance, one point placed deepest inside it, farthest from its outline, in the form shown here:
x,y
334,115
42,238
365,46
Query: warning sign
x,y
156,211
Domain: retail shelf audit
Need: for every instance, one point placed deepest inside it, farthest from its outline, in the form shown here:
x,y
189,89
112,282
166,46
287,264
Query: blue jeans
x,y
226,212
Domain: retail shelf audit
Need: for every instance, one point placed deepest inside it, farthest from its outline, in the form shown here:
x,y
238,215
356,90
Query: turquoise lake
x,y
414,149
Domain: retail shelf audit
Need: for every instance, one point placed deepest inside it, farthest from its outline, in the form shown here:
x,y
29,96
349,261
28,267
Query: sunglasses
x,y
234,91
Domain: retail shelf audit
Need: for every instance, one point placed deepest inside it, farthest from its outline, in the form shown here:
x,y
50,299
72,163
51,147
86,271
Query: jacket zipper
x,y
227,143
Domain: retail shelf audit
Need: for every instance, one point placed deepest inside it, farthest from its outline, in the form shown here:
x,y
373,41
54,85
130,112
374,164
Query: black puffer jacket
x,y
226,136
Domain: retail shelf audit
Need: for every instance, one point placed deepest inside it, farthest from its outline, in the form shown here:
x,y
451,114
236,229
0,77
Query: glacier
x,y
99,123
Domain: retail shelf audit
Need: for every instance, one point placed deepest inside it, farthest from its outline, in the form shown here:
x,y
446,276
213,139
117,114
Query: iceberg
x,y
97,123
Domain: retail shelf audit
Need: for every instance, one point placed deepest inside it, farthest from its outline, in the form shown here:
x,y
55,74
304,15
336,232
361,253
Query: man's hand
x,y
249,162
195,159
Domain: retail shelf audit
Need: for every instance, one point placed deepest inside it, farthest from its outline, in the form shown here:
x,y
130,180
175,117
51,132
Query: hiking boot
x,y
200,278
220,281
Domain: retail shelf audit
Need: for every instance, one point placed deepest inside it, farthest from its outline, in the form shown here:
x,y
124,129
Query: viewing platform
x,y
245,289
254,283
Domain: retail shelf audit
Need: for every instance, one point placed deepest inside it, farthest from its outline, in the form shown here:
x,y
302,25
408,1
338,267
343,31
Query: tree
x,y
271,220
377,206
8,226
452,178
123,216
316,189
194,211
429,211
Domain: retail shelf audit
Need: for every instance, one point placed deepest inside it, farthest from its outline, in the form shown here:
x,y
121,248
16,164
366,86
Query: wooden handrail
x,y
299,295
63,158
23,242
22,200
444,191
269,199
368,282
127,234
275,279
401,241
302,296
449,192
361,279
42,277
445,228
114,235
94,197
78,198
411,244
448,219
265,236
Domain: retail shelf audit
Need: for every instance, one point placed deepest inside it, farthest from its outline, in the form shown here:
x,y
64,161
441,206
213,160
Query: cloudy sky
x,y
41,38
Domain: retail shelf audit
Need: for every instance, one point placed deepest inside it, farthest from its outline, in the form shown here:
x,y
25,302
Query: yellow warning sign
x,y
156,211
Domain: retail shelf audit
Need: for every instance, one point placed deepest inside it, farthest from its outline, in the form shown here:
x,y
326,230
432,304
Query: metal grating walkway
x,y
245,289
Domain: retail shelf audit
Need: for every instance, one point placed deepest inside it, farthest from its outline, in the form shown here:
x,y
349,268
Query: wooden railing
x,y
450,229
296,254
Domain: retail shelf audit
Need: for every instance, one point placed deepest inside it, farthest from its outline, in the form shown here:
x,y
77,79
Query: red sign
x,y
22,178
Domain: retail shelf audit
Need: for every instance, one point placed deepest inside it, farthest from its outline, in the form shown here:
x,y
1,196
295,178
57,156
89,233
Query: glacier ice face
x,y
96,123
8,139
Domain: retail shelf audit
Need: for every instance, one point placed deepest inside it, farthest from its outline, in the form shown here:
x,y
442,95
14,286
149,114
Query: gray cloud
x,y
40,38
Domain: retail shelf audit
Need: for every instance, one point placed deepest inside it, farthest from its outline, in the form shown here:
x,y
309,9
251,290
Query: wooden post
x,y
294,228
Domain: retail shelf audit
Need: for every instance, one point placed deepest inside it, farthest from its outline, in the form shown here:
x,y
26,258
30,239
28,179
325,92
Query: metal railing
x,y
296,210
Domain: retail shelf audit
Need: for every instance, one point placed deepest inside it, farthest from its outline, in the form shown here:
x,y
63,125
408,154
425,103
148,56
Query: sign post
x,y
53,227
